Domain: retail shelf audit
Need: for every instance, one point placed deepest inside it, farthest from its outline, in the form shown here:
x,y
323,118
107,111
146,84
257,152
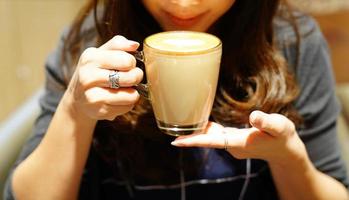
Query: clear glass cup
x,y
182,69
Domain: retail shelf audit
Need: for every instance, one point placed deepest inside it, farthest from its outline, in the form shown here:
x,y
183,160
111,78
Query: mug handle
x,y
142,89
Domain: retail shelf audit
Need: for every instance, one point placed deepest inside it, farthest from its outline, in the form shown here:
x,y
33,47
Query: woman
x,y
273,129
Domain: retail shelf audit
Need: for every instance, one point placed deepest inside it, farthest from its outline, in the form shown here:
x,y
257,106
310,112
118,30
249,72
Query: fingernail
x,y
133,43
175,143
254,116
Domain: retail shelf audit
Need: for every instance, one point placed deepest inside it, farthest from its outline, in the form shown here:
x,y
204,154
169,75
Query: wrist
x,y
69,106
295,162
298,165
294,158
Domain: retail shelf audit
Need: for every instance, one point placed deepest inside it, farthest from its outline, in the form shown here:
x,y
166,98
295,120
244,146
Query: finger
x,y
210,138
241,138
111,112
126,79
215,136
199,140
120,97
120,43
241,143
274,124
91,77
108,59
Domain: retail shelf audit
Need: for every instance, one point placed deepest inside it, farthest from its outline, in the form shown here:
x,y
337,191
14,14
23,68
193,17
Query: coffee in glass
x,y
182,69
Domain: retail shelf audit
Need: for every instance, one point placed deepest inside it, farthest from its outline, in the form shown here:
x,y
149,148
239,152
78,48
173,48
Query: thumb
x,y
274,124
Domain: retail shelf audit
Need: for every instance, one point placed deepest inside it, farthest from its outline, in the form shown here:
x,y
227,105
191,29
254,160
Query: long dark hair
x,y
252,76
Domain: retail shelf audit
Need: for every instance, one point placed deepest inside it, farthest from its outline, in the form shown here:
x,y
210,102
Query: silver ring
x,y
114,79
226,144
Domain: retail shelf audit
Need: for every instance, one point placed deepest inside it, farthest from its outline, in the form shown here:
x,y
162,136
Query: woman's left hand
x,y
273,138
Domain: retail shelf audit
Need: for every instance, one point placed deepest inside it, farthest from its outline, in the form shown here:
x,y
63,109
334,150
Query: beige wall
x,y
29,31
321,6
333,18
335,27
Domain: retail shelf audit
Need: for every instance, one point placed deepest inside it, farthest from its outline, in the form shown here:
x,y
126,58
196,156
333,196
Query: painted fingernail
x,y
176,143
133,43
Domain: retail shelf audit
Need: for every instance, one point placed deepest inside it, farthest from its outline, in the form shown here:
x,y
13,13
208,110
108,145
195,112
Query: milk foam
x,y
182,42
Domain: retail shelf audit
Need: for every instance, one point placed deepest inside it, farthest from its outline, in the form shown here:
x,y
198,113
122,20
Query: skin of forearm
x,y
300,180
54,169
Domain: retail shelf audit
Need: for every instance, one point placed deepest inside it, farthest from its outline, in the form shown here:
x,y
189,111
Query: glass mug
x,y
182,69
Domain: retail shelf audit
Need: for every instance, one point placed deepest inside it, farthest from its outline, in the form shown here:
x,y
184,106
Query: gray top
x,y
317,102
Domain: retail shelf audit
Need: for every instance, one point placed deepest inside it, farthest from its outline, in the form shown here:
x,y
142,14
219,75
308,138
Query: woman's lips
x,y
184,22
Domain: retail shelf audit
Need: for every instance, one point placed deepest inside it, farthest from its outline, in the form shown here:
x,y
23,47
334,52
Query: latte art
x,y
182,41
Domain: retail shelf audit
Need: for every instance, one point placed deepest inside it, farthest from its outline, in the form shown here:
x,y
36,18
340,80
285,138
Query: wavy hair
x,y
253,74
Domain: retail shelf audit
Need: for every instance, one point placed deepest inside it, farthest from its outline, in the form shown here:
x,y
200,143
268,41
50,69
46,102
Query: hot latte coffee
x,y
182,70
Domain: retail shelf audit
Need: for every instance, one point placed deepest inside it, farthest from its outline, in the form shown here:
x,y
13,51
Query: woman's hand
x,y
272,138
89,91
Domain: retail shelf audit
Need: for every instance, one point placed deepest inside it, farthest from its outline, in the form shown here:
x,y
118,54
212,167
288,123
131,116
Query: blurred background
x,y
30,30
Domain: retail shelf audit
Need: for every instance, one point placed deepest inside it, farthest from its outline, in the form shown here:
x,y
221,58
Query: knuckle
x,y
281,124
134,97
93,100
284,125
127,97
102,112
87,55
131,79
133,61
282,128
128,60
93,103
116,40
139,73
83,77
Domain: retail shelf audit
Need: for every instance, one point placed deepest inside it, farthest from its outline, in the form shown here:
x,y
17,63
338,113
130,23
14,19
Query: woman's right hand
x,y
60,158
89,91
